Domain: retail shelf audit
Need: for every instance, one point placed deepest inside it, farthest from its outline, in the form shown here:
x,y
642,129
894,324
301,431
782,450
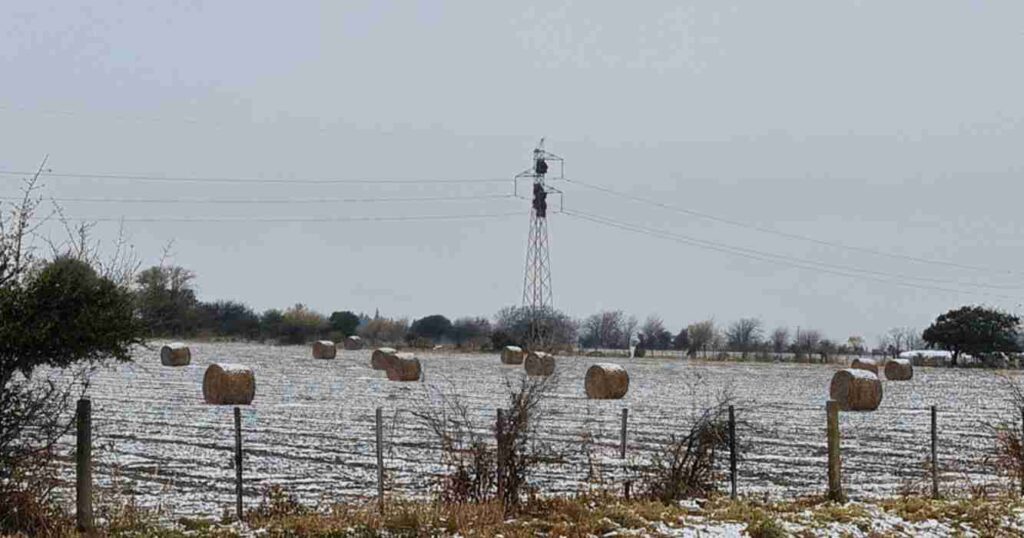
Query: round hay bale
x,y
175,354
229,384
353,343
512,355
404,367
861,363
899,370
856,390
540,364
324,349
381,357
606,381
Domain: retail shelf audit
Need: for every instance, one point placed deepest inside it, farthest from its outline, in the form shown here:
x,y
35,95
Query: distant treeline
x,y
167,304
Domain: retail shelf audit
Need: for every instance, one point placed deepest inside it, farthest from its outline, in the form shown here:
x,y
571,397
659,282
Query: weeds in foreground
x,y
26,495
279,515
986,516
1009,445
482,467
687,466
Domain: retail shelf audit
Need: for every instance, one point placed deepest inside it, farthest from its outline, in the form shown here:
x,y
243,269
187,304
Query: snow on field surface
x,y
928,353
311,425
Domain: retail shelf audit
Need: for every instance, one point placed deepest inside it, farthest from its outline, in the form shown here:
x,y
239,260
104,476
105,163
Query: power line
x,y
848,268
271,200
899,280
799,237
242,180
401,218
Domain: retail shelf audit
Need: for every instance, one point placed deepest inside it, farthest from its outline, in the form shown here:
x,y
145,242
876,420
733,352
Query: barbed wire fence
x,y
781,453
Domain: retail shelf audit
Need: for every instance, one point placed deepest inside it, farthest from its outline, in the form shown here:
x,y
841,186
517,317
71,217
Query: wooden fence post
x,y
732,452
626,486
83,467
500,456
935,451
622,434
380,459
835,487
238,463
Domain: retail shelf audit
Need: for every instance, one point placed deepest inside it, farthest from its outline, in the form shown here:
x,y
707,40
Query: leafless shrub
x,y
686,465
35,416
1008,459
478,457
588,449
275,502
465,452
518,454
26,493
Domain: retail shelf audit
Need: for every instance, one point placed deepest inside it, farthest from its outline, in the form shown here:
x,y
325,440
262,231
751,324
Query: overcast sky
x,y
890,126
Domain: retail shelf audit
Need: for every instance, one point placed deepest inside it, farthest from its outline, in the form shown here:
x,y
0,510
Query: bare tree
x,y
16,228
657,337
518,325
629,326
702,336
807,342
899,339
609,329
913,338
780,340
744,335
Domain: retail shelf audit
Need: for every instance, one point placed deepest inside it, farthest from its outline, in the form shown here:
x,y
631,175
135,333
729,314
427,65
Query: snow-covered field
x,y
311,426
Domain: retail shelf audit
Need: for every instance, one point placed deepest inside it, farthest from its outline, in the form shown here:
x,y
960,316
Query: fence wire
x,y
312,430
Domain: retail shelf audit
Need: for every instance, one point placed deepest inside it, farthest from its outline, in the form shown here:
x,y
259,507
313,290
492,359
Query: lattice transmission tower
x,y
537,295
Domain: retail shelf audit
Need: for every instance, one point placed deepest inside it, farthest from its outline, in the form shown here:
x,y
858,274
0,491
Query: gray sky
x,y
885,125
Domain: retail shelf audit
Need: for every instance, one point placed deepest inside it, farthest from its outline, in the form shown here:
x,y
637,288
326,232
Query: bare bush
x,y
478,457
686,465
1009,449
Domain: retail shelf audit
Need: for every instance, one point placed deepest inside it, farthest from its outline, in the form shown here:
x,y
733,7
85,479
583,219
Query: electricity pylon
x,y
537,295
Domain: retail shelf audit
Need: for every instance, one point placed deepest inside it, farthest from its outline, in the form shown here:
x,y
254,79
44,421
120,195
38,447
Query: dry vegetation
x,y
686,466
487,463
279,514
1009,457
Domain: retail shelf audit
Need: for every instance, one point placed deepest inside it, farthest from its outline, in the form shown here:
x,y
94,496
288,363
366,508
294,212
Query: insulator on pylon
x,y
540,167
540,200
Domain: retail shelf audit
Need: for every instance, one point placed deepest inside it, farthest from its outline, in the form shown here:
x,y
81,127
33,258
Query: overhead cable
x,y
251,180
316,200
876,276
328,218
788,235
